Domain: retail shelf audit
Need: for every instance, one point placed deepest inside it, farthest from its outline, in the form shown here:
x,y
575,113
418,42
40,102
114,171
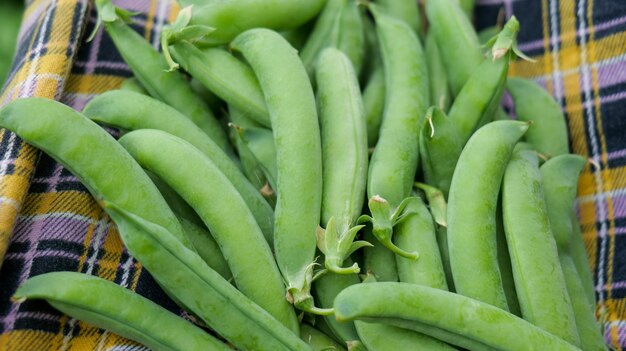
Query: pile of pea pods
x,y
327,175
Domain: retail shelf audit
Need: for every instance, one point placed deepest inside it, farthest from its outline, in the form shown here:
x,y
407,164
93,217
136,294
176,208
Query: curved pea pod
x,y
230,221
325,289
317,340
456,39
224,75
150,68
560,181
344,155
131,111
417,232
548,132
437,75
378,260
396,156
406,10
321,33
97,301
374,104
260,141
69,137
440,148
298,156
230,18
472,211
504,260
200,289
539,280
450,317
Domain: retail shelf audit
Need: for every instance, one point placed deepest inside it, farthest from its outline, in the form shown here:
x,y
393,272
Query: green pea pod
x,y
214,103
200,289
472,211
396,156
591,337
560,180
450,317
476,104
372,59
298,156
69,137
539,280
581,260
406,10
230,79
344,155
97,301
442,241
230,18
297,37
230,221
317,340
437,75
325,289
374,105
150,69
440,148
548,132
251,166
133,84
131,111
417,232
348,35
321,33
456,39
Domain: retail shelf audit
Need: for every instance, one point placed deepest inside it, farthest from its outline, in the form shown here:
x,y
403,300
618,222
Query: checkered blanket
x,y
49,222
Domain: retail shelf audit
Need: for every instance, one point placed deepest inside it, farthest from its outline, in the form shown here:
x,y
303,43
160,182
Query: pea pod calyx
x,y
383,219
337,247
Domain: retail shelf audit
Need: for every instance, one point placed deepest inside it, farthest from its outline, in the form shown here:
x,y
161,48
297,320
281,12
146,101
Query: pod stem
x,y
383,221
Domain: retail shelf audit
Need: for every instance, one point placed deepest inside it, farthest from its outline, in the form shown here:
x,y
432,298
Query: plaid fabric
x,y
580,46
56,224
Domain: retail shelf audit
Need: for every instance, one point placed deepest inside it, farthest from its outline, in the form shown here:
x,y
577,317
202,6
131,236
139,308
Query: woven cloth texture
x,y
49,222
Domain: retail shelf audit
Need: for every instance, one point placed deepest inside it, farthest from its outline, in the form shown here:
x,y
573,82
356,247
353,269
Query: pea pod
x,y
298,156
581,260
230,79
260,141
396,156
472,211
385,337
348,35
450,317
440,148
132,84
230,221
230,18
317,340
480,97
548,132
69,137
539,280
200,289
504,260
344,155
456,39
131,111
97,301
150,68
378,260
468,7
